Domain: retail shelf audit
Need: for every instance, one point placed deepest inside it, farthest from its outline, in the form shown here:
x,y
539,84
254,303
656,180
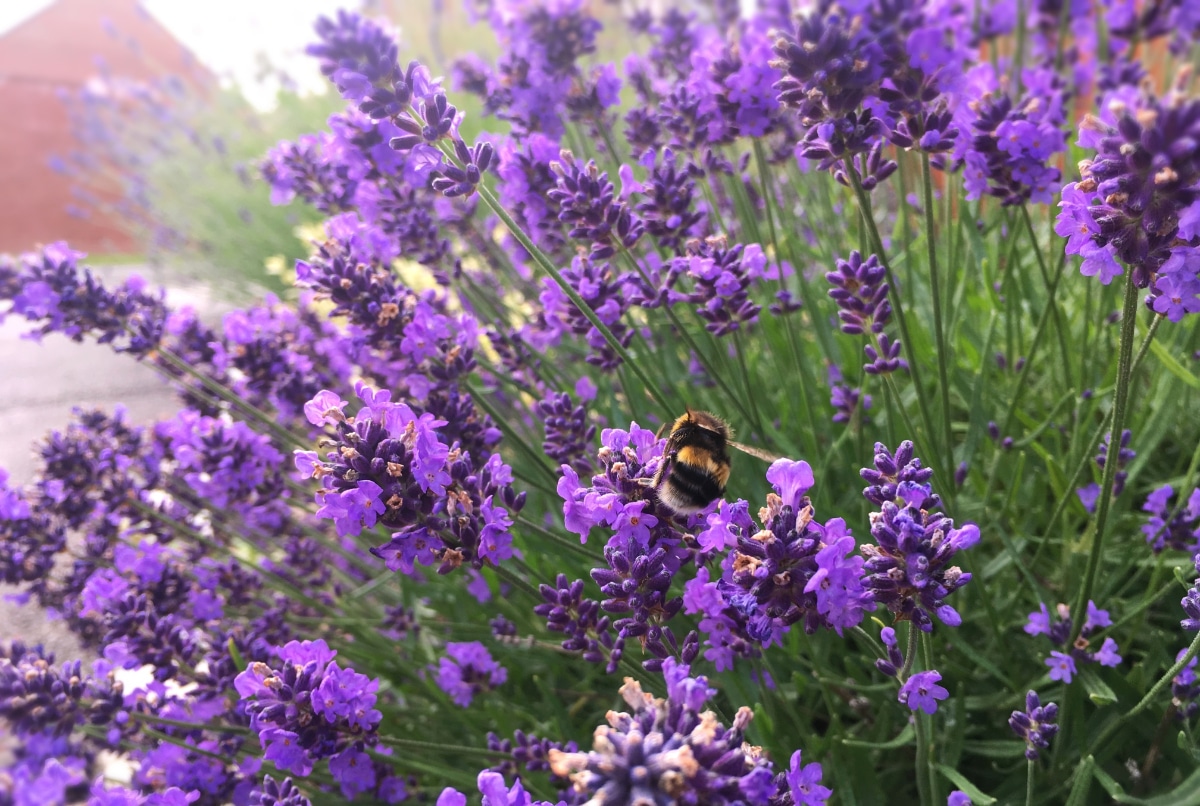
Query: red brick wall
x,y
54,50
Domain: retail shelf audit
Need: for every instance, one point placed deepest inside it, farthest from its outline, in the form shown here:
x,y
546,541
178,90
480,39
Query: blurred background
x,y
133,131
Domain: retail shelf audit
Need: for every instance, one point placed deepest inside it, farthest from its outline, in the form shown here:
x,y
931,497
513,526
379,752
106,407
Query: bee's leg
x,y
664,465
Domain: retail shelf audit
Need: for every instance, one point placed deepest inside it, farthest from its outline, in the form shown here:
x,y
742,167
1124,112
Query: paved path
x,y
41,384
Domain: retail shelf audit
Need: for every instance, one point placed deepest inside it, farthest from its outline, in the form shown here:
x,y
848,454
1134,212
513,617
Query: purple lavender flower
x,y
629,461
861,292
921,691
804,783
747,97
894,661
830,65
1181,531
849,403
529,753
1059,631
862,297
36,698
277,793
637,586
30,540
352,269
587,628
537,75
644,552
52,290
1185,689
886,359
907,568
1124,456
391,466
1191,601
527,180
226,463
1035,725
667,208
670,745
310,708
1062,667
569,435
588,204
305,169
463,178
46,781
467,669
1008,149
1088,495
361,59
606,292
899,476
721,276
794,569
1133,193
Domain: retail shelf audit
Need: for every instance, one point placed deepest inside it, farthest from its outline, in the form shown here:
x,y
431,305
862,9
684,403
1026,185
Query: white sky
x,y
230,36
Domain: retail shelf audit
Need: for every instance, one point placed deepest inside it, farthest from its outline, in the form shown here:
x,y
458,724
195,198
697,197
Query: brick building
x,y
57,49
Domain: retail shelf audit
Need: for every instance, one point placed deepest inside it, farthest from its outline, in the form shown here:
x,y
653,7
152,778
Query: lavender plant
x,y
403,540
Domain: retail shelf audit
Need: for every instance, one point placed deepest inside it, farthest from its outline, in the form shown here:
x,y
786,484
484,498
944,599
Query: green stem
x,y
894,397
579,302
152,719
930,759
910,653
1068,494
226,394
692,345
939,330
868,215
1192,650
1120,404
923,786
1029,783
1165,680
515,580
559,540
875,645
748,385
456,749
1038,332
1051,286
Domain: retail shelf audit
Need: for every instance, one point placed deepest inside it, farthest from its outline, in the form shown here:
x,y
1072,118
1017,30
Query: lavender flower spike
x,y
908,568
1035,724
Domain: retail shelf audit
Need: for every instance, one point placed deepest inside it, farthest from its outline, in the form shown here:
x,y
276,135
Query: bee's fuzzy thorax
x,y
695,464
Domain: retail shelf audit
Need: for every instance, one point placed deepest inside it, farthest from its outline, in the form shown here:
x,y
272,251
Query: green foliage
x,y
206,189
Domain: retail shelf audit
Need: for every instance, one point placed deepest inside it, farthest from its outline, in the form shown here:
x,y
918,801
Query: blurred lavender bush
x,y
402,540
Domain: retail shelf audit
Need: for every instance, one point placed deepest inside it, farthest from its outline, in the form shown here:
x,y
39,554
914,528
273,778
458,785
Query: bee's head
x,y
709,422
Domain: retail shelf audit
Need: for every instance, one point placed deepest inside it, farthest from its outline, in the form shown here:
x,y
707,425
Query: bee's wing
x,y
757,453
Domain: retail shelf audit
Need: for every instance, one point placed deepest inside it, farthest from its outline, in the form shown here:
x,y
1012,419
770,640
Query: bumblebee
x,y
695,464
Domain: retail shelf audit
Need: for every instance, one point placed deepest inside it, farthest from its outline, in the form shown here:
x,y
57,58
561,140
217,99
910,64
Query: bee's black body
x,y
695,463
